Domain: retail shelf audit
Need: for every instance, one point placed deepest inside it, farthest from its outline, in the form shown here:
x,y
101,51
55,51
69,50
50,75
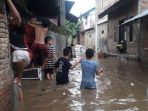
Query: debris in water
x,y
64,93
132,84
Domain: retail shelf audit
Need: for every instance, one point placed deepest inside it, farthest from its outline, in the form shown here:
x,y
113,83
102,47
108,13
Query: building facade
x,y
101,27
118,12
87,29
5,80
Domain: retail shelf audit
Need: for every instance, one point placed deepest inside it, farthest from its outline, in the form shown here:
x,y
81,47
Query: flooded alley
x,y
123,87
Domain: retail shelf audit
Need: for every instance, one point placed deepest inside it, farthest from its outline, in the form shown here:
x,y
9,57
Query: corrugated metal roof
x,y
139,16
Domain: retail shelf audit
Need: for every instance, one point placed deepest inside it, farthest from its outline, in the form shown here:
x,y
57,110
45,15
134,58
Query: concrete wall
x,y
101,27
87,26
103,37
60,42
113,27
143,5
102,5
133,47
88,21
144,40
62,12
82,37
144,33
89,39
5,81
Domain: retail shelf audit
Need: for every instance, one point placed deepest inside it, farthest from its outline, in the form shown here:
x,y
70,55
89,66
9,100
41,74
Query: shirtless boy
x,y
38,47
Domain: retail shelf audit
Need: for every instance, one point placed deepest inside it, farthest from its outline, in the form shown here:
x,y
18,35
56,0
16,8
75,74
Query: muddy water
x,y
124,87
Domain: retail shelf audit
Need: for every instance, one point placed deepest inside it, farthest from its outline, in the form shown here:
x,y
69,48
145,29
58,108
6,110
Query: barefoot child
x,y
49,68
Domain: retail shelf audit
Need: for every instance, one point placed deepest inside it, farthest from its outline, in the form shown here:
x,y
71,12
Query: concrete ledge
x,y
133,57
126,56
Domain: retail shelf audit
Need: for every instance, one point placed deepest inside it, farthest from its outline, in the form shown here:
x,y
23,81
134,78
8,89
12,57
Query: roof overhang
x,y
70,17
114,7
89,29
68,5
137,17
44,8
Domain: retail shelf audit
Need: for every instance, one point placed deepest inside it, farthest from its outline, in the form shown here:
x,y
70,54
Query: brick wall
x,y
113,28
144,40
5,81
143,5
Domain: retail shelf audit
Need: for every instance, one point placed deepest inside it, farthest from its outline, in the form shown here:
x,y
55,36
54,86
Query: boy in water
x,y
89,69
63,66
38,47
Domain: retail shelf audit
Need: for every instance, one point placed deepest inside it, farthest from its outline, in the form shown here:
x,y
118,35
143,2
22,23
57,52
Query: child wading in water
x,y
89,69
63,66
49,67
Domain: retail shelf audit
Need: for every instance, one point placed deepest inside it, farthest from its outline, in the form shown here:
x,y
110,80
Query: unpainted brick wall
x,y
5,81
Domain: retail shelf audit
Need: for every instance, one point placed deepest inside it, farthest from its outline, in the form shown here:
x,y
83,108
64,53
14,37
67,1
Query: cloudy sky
x,y
81,6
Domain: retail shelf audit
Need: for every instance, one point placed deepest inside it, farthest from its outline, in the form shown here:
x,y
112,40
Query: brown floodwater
x,y
123,87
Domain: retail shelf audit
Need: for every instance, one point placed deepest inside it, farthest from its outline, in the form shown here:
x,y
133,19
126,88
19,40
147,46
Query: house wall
x,y
103,37
144,40
82,37
87,35
62,12
5,81
60,42
88,20
133,47
124,13
144,33
107,3
143,5
89,39
101,26
102,5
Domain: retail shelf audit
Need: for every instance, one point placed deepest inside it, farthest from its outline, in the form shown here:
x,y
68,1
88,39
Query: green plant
x,y
71,29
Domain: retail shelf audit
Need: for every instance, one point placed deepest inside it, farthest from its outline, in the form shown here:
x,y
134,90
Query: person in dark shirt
x,y
21,55
63,66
